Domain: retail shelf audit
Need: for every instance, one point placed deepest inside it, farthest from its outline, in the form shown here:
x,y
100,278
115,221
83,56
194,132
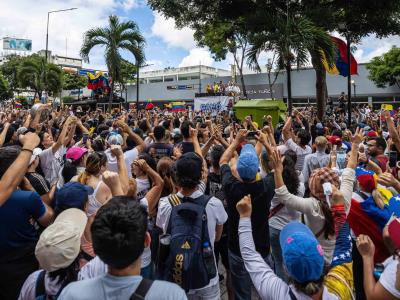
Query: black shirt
x,y
261,192
187,147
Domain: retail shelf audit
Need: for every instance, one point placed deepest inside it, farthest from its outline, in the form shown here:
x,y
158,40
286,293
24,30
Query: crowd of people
x,y
223,89
147,205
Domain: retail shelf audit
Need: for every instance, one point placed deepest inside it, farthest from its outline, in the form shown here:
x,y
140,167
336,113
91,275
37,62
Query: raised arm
x,y
116,150
15,173
62,138
287,129
4,133
140,145
392,129
226,157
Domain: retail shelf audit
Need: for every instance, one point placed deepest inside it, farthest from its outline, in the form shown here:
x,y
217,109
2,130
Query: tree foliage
x,y
5,91
35,73
9,69
74,81
385,70
115,37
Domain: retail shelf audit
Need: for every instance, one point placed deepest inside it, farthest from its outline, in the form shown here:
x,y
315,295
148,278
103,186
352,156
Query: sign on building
x,y
17,44
263,91
213,104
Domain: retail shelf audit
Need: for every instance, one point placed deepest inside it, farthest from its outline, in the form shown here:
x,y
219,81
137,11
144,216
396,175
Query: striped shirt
x,y
38,182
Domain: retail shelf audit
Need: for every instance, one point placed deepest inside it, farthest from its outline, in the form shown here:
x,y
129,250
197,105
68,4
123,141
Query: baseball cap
x,y
189,165
247,165
335,140
35,153
372,134
302,254
75,153
73,194
60,243
394,232
319,126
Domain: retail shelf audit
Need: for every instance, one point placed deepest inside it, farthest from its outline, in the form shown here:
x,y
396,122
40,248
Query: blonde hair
x,y
94,162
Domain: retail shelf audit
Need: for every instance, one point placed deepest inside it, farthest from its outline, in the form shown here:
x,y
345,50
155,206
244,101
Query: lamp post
x,y
47,31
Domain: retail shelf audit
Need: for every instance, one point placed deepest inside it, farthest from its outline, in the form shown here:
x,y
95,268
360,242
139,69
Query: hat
x,y
366,179
115,139
319,126
73,194
335,140
372,134
35,153
60,243
75,153
303,256
394,232
247,165
189,165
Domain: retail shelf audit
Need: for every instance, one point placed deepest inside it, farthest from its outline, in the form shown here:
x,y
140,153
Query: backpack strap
x,y
40,289
275,210
292,295
141,290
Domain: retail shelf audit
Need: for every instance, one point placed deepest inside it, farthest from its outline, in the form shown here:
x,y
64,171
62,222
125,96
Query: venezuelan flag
x,y
342,62
178,106
18,105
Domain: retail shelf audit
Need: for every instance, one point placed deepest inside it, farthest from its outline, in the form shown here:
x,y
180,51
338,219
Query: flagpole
x,y
348,81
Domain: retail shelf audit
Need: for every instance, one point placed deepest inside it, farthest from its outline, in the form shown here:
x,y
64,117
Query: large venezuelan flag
x,y
178,106
342,62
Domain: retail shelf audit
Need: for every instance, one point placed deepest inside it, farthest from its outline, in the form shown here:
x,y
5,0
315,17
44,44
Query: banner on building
x,y
213,105
17,44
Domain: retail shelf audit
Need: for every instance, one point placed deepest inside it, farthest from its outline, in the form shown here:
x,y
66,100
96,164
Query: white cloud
x,y
197,56
166,30
22,19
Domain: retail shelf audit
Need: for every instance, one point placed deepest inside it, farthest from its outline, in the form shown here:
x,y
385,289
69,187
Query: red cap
x,y
335,140
394,232
372,134
75,153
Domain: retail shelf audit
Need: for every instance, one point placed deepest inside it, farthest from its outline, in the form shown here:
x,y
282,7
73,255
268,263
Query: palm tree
x,y
40,76
117,36
293,39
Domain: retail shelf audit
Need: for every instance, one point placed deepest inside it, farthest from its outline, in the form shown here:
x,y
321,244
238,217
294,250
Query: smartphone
x,y
85,138
392,159
252,134
341,159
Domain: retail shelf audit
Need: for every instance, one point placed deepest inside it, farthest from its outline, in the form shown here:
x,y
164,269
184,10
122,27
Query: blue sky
x,y
166,45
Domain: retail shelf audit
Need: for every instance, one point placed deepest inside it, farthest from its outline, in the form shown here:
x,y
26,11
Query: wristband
x,y
29,150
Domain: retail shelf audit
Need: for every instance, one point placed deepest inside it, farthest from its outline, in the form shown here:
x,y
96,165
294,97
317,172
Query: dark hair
x,y
69,170
164,169
143,126
289,174
94,163
187,178
304,137
101,128
98,145
118,231
178,138
215,155
185,129
66,275
337,132
380,142
9,134
292,155
159,133
149,160
166,124
176,123
7,156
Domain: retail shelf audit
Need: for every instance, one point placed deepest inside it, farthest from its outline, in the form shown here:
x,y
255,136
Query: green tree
x,y
293,40
128,75
385,70
116,37
5,91
40,76
9,69
73,81
224,38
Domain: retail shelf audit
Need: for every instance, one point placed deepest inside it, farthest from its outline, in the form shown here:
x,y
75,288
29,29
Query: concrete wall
x,y
303,86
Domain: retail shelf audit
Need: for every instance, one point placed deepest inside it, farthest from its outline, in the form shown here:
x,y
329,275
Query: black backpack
x,y
190,262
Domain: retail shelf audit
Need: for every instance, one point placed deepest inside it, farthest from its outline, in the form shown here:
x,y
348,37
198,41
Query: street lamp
x,y
353,83
47,31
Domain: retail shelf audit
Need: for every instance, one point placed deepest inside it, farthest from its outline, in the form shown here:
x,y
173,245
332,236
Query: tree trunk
x,y
289,87
243,84
110,100
320,86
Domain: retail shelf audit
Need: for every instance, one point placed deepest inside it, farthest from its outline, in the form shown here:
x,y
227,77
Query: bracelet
x,y
29,150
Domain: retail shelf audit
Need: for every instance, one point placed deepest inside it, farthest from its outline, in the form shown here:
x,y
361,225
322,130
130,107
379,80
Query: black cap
x,y
188,168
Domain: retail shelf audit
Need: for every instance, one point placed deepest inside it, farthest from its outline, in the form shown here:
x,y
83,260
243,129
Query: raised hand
x,y
244,207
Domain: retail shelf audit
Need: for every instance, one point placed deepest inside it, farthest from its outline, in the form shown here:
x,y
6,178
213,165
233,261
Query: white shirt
x,y
129,157
52,163
216,215
300,152
28,290
388,277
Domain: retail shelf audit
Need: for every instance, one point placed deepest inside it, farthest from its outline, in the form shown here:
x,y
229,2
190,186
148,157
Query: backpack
x,y
190,263
40,289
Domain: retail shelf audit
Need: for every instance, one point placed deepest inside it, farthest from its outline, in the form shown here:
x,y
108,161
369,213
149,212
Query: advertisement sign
x,y
262,91
180,87
213,105
17,44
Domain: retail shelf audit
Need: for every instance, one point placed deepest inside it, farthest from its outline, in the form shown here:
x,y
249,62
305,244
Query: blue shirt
x,y
110,287
16,214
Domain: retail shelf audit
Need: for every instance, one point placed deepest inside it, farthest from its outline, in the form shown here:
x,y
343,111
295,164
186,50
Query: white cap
x,y
60,243
36,153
